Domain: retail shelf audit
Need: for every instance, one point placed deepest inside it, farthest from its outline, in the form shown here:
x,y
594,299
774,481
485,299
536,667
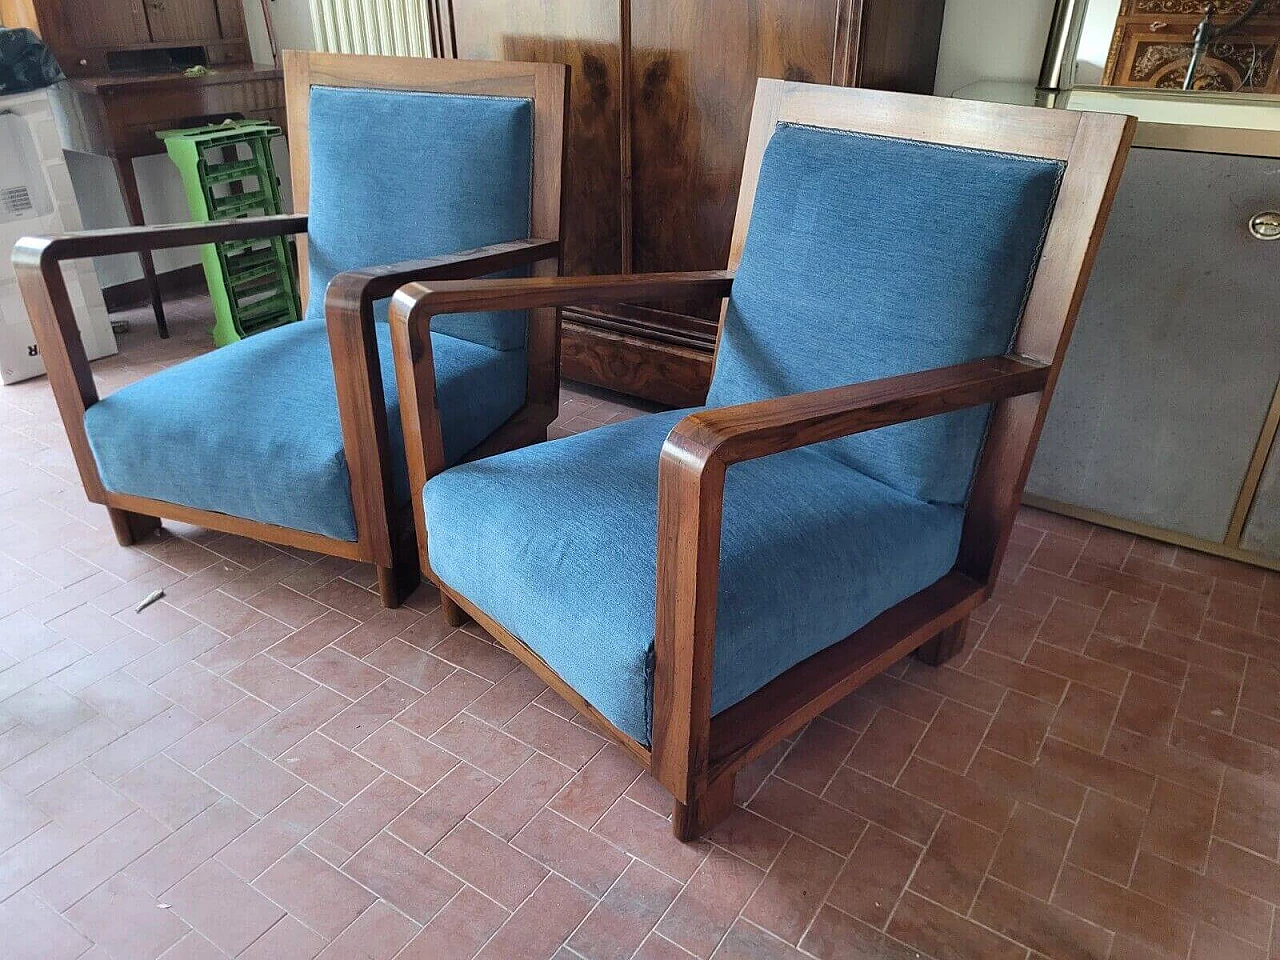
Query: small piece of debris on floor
x,y
148,600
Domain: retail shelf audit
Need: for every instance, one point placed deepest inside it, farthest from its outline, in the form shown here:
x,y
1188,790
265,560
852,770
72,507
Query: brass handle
x,y
1265,225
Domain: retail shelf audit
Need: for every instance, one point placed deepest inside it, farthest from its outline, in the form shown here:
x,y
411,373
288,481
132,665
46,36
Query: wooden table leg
x,y
133,207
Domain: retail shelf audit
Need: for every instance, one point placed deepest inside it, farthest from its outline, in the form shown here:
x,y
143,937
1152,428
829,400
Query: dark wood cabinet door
x,y
178,21
102,23
586,35
694,70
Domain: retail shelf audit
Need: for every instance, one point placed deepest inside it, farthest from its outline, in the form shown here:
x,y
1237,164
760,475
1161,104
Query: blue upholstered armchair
x,y
411,169
702,583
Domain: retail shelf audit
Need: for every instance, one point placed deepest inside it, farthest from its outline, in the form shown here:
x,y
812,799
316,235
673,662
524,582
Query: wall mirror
x,y
1197,46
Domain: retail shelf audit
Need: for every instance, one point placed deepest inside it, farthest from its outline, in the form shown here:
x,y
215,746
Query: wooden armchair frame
x,y
384,532
694,755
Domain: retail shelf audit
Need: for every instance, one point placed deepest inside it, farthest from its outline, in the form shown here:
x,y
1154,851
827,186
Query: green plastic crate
x,y
227,172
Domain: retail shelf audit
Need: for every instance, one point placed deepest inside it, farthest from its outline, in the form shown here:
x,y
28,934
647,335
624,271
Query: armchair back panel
x,y
1080,144
542,85
402,175
869,257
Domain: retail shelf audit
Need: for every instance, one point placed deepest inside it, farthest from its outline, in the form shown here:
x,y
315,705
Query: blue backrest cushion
x,y
868,257
401,175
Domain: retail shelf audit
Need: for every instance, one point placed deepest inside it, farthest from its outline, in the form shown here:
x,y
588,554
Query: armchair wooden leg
x,y
454,615
397,582
946,645
690,821
131,527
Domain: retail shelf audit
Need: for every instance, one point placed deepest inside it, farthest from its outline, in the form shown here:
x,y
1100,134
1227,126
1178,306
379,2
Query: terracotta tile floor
x,y
267,765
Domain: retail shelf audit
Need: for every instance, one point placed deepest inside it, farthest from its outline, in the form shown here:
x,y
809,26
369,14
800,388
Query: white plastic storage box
x,y
36,197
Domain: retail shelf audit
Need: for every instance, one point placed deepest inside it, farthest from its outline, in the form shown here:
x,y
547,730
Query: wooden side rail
x,y
353,342
691,479
415,304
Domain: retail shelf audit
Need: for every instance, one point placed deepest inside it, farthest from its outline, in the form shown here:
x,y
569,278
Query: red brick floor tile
x,y
963,796
886,745
403,877
1019,726
489,864
1207,900
449,696
330,768
405,754
342,672
1248,812
314,892
35,932
874,876
583,857
1179,824
1084,717
793,889
266,841
362,818
1046,929
99,860
618,924
543,921
222,907
1148,706
412,665
378,934
250,779
834,935
384,702
514,803
1106,838
954,863
181,851
286,940
1032,850
593,790
817,754
167,791
565,742
122,918
459,930
1104,774
953,736
708,904
482,745
935,930
1122,910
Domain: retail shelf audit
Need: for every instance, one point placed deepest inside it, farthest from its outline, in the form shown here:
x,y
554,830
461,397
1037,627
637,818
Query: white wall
x,y
992,40
159,185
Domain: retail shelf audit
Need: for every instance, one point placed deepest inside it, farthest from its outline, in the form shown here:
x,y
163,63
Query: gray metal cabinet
x,y
1161,419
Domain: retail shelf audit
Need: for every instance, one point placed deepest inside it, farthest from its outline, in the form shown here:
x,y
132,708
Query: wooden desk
x,y
117,116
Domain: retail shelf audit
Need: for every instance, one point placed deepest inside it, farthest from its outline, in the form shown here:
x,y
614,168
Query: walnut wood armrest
x,y
461,296
691,477
36,262
101,243
353,342
415,304
752,430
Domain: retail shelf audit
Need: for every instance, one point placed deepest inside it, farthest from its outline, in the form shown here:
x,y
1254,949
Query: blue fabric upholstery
x,y
868,257
401,175
252,429
557,542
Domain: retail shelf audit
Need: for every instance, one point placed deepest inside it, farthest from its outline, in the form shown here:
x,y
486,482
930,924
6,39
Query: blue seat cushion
x,y
557,542
402,175
252,429
868,257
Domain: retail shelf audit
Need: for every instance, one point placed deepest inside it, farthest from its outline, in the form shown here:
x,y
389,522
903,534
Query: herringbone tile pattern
x,y
267,765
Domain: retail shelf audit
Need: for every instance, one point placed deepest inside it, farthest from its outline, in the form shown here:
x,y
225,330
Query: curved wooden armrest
x,y
382,281
30,252
691,475
751,430
463,296
357,368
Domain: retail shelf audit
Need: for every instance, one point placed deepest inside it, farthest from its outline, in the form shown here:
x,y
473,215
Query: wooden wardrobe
x,y
660,103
